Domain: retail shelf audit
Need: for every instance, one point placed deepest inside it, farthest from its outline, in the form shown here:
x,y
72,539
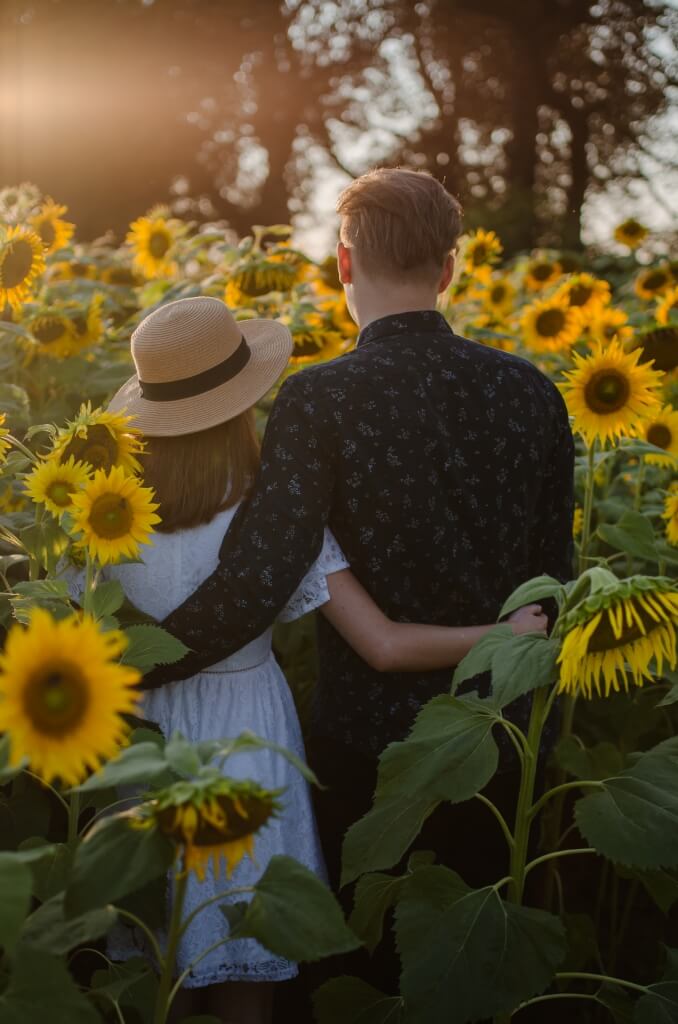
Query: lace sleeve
x,y
312,592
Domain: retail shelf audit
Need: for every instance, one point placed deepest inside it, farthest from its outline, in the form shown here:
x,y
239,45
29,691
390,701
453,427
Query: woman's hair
x,y
194,476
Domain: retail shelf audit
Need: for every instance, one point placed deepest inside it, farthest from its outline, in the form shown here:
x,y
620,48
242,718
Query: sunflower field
x,y
97,809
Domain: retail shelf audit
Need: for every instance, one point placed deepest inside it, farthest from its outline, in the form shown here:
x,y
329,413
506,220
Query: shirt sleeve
x,y
271,543
312,592
552,544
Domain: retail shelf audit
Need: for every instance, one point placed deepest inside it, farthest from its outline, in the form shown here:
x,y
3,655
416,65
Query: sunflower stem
x,y
73,819
89,585
165,992
521,834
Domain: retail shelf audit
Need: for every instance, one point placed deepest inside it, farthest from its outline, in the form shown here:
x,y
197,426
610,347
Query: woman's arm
x,y
389,646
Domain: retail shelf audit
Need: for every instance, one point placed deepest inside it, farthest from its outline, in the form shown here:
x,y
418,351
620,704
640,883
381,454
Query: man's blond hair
x,y
400,223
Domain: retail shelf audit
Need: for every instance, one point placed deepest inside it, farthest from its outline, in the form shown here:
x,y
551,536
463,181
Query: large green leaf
x,y
466,954
633,819
633,534
107,598
149,646
49,863
42,991
295,915
349,1000
449,755
597,762
115,859
532,592
48,930
16,883
479,658
522,664
141,764
659,1005
374,895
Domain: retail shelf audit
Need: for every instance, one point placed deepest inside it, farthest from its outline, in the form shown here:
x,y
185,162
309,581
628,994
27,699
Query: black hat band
x,y
189,387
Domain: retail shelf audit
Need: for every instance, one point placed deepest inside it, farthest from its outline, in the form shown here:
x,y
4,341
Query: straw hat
x,y
197,366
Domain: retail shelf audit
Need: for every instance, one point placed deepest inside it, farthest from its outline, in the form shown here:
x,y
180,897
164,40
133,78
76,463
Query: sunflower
x,y
653,282
481,248
498,297
21,261
315,337
17,202
52,483
72,270
54,232
63,694
257,277
549,325
325,276
212,821
10,502
153,239
658,345
670,514
661,430
577,521
4,434
541,272
627,623
88,324
101,439
667,308
608,392
122,275
610,324
585,293
114,514
631,233
54,333
460,290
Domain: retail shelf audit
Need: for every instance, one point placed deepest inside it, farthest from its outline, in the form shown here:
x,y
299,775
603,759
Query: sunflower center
x,y
121,275
603,638
16,263
47,232
654,281
56,701
607,391
98,448
479,254
306,345
550,323
659,435
158,244
111,516
632,228
80,324
662,347
497,294
48,331
60,493
542,271
580,294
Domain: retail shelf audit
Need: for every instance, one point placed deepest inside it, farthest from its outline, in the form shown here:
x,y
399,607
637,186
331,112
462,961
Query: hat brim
x,y
270,345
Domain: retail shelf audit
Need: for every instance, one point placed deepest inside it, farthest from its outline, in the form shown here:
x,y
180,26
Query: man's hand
x,y
530,619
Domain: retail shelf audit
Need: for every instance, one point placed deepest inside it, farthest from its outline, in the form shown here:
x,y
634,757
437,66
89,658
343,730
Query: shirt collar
x,y
418,321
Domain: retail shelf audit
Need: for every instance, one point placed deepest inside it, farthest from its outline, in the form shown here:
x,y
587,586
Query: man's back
x,y
452,470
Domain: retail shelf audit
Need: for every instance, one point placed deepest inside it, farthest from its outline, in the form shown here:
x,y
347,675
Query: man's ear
x,y
446,276
344,264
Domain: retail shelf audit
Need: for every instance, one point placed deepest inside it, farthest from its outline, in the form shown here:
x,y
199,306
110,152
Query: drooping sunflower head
x,y
658,345
610,324
63,694
4,434
53,332
482,249
325,276
122,275
670,514
653,282
541,272
661,430
608,392
667,308
54,232
22,260
153,240
101,439
258,276
630,623
631,233
315,337
88,323
550,325
212,820
585,293
113,515
53,483
499,296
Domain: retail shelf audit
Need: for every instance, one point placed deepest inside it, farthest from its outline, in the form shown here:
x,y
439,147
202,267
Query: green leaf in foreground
x,y
349,1000
16,883
375,894
522,664
141,764
466,954
149,646
295,915
48,930
42,991
633,818
532,592
479,658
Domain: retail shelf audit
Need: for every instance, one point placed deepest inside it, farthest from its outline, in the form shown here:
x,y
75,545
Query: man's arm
x,y
272,542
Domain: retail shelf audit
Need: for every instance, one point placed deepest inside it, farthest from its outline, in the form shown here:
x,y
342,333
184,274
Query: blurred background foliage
x,y
539,115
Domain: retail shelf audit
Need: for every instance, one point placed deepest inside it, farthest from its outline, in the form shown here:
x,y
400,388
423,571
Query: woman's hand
x,y
530,619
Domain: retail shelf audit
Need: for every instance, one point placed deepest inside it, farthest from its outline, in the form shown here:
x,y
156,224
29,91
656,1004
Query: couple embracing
x,y
403,489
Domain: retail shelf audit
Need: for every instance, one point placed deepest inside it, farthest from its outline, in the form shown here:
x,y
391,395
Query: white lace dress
x,y
246,691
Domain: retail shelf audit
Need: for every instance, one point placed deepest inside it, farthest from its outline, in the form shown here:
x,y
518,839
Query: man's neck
x,y
375,310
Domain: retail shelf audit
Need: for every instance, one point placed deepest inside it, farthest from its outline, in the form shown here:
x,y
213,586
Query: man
x,y
443,468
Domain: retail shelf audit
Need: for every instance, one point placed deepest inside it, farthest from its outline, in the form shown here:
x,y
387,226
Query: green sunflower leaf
x,y
466,954
48,930
633,818
348,1000
42,991
374,895
479,658
659,1005
525,663
16,884
633,533
149,646
531,592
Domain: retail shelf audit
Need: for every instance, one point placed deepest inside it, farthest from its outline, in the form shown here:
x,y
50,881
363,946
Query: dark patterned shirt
x,y
444,469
